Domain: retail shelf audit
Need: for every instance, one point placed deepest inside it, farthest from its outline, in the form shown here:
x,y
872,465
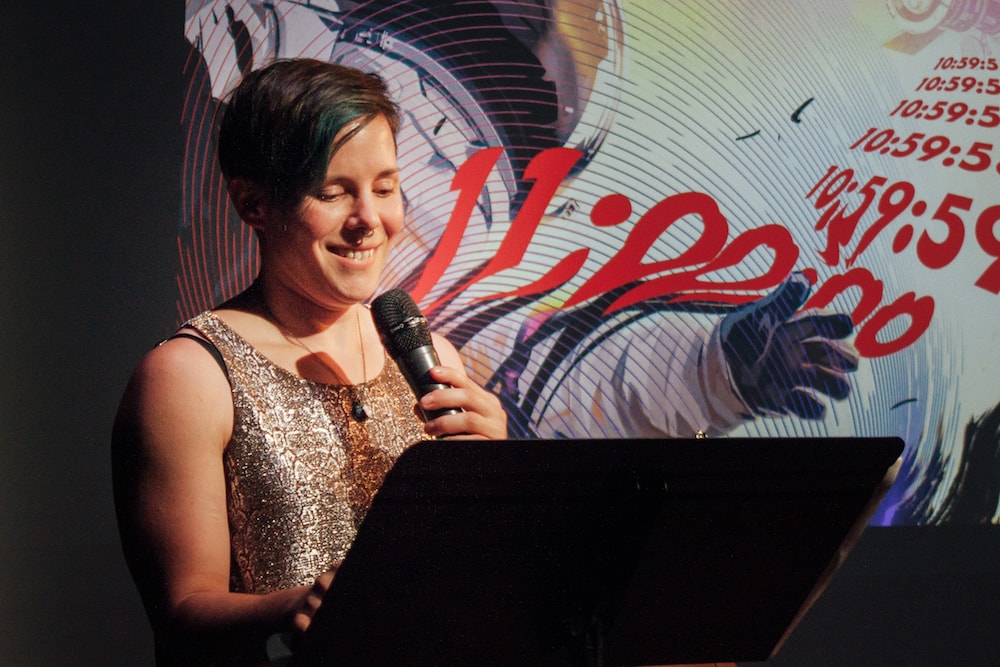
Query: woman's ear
x,y
250,202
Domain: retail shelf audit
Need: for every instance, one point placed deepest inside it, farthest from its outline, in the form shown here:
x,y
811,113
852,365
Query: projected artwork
x,y
652,219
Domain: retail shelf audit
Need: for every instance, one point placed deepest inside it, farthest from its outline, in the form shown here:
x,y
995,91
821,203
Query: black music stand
x,y
592,552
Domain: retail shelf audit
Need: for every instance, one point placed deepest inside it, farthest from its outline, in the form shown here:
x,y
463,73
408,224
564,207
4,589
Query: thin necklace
x,y
358,411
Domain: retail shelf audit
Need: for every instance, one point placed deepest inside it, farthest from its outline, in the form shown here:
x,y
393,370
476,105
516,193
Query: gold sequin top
x,y
301,472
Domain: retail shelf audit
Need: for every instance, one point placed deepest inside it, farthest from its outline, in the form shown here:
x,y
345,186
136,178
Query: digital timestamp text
x,y
960,84
985,64
951,112
897,206
976,157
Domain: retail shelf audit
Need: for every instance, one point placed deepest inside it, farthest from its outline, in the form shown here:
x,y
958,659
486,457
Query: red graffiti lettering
x,y
469,181
876,319
627,266
870,287
988,241
919,311
547,170
687,285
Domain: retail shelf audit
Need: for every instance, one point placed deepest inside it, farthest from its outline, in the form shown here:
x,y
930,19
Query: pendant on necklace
x,y
358,411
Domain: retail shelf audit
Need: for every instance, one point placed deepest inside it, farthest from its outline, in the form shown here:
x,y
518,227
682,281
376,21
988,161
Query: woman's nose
x,y
365,211
363,220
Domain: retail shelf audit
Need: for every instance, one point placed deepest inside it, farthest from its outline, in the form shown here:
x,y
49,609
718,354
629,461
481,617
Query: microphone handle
x,y
416,367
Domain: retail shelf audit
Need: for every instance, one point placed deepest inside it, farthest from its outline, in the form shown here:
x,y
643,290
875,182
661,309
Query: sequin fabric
x,y
301,473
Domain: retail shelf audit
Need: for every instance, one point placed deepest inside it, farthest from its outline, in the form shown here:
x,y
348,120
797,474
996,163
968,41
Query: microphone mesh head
x,y
399,322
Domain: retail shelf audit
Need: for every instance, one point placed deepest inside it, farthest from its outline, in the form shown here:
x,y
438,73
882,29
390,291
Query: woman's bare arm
x,y
174,422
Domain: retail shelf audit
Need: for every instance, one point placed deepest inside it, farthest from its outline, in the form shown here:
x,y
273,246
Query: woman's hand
x,y
309,603
482,416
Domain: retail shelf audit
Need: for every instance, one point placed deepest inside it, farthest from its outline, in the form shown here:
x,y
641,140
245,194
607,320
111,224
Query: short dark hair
x,y
280,122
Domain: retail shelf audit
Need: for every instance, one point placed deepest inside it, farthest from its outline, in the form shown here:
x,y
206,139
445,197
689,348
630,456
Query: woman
x,y
248,446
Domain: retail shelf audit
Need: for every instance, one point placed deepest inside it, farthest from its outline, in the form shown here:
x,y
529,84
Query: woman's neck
x,y
303,319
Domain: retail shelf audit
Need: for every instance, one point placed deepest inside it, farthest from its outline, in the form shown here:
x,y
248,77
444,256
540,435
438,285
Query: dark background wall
x,y
89,173
90,98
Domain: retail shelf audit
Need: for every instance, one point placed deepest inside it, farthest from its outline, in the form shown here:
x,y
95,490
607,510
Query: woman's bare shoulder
x,y
180,362
177,392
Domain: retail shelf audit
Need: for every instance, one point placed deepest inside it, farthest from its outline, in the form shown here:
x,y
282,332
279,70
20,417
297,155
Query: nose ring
x,y
368,234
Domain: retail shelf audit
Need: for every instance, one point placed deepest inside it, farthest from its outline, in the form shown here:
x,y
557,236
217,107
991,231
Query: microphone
x,y
407,337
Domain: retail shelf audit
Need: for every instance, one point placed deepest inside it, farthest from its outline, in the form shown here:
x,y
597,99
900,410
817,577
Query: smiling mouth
x,y
358,255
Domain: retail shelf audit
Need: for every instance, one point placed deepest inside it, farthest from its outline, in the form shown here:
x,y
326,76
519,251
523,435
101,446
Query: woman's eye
x,y
329,196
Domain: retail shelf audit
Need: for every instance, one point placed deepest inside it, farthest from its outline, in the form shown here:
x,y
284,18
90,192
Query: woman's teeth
x,y
359,255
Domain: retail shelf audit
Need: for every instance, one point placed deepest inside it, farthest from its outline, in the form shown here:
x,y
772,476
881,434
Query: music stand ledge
x,y
594,552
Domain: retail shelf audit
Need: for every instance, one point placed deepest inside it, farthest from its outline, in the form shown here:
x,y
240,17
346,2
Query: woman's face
x,y
331,249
